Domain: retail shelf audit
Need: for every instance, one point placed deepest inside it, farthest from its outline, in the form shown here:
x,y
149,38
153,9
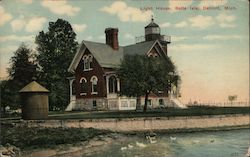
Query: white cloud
x,y
164,25
221,37
8,49
31,25
17,24
5,17
227,25
191,47
60,7
27,1
212,3
16,38
79,27
174,3
35,24
201,21
181,24
178,38
126,13
225,20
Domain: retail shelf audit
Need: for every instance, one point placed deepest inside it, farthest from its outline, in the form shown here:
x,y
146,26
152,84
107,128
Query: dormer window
x,y
87,62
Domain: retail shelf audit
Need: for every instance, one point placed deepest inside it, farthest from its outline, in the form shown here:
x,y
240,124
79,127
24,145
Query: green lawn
x,y
169,112
166,112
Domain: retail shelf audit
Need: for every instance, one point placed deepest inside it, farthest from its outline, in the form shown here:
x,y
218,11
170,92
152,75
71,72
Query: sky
x,y
209,47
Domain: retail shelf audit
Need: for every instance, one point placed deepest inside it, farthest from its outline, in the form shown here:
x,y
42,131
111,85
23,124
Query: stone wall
x,y
149,123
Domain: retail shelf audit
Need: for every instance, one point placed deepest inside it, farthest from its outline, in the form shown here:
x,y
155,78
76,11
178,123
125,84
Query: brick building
x,y
95,85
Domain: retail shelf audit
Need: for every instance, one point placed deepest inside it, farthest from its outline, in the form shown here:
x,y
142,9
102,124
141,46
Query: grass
x,y
34,137
165,112
169,112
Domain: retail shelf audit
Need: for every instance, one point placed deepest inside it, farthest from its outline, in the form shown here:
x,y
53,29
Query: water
x,y
201,144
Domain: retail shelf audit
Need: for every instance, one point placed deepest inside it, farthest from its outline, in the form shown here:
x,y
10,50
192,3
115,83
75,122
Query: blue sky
x,y
209,47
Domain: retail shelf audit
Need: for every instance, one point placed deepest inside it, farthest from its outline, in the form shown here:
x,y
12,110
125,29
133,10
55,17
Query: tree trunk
x,y
146,102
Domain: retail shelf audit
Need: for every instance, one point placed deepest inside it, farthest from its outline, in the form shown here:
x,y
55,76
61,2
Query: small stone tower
x,y
34,101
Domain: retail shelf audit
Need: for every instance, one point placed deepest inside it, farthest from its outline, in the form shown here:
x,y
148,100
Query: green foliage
x,y
22,70
231,98
26,137
141,75
56,48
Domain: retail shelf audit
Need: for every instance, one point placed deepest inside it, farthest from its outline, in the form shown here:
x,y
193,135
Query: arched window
x,y
87,62
94,81
74,87
112,84
84,86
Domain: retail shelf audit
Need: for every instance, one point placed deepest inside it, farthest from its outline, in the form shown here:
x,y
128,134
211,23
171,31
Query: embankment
x,y
149,123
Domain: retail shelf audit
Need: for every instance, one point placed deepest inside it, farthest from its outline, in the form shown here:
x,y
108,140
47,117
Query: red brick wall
x,y
96,71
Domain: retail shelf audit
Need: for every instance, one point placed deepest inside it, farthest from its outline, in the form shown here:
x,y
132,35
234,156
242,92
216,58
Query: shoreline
x,y
101,142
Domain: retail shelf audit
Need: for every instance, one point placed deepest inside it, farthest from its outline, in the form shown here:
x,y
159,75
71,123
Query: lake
x,y
232,143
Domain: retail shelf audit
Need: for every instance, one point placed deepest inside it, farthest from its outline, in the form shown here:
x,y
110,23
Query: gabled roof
x,y
139,48
106,56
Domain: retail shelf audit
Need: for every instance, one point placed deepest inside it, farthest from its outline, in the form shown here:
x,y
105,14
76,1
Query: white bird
x,y
151,139
130,146
195,141
123,148
140,144
248,152
172,138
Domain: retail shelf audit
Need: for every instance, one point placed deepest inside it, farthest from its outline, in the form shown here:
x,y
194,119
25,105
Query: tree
x,y
142,75
22,70
23,67
231,98
56,48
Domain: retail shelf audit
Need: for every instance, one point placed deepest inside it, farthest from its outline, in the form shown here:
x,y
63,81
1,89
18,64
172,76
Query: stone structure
x,y
34,101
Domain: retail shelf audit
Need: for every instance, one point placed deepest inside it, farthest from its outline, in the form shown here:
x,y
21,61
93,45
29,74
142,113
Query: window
x,y
74,87
87,62
149,102
94,104
161,102
94,81
112,84
124,104
84,86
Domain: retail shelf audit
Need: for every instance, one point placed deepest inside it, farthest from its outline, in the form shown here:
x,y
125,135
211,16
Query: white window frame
x,y
93,78
87,60
81,81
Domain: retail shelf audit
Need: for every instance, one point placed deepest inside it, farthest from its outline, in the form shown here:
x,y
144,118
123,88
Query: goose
x,y
195,141
172,138
151,139
140,144
130,146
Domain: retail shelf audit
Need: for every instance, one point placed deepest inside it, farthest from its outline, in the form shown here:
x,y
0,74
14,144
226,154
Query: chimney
x,y
112,37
